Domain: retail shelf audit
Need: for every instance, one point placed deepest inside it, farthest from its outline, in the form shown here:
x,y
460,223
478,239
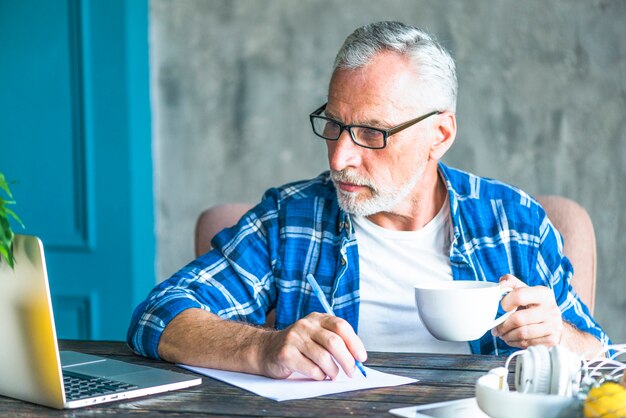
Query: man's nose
x,y
343,152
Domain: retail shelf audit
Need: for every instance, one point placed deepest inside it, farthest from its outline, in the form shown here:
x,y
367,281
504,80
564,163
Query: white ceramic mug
x,y
460,310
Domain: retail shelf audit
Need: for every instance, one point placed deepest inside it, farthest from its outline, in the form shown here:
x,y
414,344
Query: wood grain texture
x,y
441,377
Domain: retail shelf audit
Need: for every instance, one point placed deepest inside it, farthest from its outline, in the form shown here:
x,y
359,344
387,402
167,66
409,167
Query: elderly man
x,y
385,216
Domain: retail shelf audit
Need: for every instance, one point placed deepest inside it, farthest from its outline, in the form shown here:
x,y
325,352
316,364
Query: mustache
x,y
344,176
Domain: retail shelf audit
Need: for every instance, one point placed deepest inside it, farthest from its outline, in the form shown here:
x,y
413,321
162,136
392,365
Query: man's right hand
x,y
310,347
200,338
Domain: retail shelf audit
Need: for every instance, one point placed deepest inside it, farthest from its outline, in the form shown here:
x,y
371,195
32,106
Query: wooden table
x,y
441,377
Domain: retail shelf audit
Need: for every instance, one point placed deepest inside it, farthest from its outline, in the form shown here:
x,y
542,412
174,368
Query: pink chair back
x,y
571,219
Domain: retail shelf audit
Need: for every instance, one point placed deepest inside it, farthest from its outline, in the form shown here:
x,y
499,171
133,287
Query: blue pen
x,y
317,290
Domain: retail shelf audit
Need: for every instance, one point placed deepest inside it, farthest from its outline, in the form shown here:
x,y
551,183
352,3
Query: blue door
x,y
75,139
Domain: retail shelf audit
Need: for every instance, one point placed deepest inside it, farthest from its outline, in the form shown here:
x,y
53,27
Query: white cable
x,y
593,375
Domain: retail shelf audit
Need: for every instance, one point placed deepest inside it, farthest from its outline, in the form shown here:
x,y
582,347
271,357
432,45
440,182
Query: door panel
x,y
75,136
41,68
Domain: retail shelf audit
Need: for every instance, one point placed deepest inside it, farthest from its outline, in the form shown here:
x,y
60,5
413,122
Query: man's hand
x,y
200,338
311,346
537,320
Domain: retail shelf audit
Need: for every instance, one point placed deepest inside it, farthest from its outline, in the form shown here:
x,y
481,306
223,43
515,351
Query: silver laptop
x,y
32,368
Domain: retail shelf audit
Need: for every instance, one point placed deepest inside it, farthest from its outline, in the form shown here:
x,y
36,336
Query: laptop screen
x,y
30,366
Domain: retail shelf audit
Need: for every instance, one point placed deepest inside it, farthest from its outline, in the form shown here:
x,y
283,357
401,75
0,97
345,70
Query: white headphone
x,y
541,375
553,371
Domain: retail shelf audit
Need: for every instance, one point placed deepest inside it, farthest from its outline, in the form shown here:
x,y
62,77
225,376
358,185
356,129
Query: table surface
x,y
441,377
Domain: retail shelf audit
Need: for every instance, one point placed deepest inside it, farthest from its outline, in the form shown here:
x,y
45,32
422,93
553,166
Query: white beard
x,y
384,198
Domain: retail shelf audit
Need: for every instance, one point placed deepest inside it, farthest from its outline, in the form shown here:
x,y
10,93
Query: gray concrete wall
x,y
542,105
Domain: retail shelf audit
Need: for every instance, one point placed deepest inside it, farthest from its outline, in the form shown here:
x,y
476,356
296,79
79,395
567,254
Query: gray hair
x,y
432,62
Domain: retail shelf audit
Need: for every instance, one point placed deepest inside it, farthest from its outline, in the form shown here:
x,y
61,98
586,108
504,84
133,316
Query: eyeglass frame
x,y
386,132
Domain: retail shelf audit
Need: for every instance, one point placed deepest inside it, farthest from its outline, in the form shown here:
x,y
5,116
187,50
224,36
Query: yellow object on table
x,y
606,401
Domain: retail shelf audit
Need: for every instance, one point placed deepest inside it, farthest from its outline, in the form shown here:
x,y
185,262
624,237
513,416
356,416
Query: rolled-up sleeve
x,y
234,281
553,269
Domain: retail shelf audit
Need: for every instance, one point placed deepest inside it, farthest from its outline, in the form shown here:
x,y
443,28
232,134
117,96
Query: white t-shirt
x,y
391,263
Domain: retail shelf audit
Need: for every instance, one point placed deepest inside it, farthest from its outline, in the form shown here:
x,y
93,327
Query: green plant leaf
x,y
6,234
6,241
7,256
14,216
5,186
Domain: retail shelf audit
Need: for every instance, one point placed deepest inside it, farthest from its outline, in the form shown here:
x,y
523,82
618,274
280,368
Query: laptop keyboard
x,y
79,386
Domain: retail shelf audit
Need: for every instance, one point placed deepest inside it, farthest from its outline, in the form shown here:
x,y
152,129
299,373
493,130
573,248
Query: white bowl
x,y
504,404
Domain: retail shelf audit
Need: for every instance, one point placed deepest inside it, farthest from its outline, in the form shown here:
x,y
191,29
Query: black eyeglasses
x,y
364,136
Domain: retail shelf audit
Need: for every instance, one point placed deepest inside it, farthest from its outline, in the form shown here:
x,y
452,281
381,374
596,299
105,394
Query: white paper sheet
x,y
298,386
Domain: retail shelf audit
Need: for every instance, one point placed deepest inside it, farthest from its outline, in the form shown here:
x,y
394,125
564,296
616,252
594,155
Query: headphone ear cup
x,y
560,360
566,371
533,370
523,371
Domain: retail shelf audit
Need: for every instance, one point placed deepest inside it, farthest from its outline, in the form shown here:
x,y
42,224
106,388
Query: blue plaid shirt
x,y
261,263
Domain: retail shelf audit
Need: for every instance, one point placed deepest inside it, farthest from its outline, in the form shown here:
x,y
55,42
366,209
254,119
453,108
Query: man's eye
x,y
368,134
331,129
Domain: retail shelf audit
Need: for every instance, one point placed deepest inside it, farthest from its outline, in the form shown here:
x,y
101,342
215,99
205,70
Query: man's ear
x,y
445,133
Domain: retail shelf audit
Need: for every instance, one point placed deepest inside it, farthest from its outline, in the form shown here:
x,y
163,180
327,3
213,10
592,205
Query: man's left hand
x,y
537,319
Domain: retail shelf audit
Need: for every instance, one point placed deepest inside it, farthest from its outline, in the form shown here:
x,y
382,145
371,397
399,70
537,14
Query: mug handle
x,y
496,322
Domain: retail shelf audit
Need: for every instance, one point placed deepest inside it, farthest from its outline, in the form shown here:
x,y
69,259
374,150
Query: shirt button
x,y
343,261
